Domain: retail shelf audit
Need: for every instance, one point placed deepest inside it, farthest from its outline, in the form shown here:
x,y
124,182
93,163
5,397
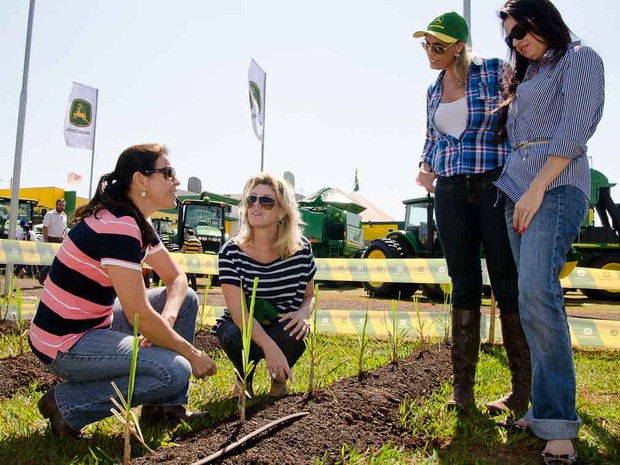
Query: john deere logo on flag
x,y
255,99
81,113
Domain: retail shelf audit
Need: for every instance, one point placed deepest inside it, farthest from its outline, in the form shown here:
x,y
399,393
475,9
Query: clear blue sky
x,y
346,87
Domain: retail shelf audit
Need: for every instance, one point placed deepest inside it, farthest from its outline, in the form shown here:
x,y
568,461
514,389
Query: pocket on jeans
x,y
53,369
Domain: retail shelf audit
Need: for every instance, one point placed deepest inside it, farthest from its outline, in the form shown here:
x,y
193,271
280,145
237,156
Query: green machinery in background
x,y
598,242
207,219
597,246
25,211
332,224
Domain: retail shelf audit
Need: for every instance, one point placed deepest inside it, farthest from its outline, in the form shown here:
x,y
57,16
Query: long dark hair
x,y
542,18
113,188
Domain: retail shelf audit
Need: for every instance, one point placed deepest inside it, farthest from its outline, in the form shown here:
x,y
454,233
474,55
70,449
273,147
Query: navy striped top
x,y
475,150
281,282
559,104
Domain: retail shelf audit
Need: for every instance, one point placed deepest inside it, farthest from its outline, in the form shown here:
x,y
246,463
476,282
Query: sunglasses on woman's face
x,y
518,32
436,48
168,171
264,201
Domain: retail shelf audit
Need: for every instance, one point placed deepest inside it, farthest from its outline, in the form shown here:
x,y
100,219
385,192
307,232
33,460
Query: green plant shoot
x,y
311,342
363,347
420,329
247,323
203,307
124,413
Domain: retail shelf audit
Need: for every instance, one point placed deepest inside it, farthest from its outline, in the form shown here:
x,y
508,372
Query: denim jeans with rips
x,y
102,356
540,254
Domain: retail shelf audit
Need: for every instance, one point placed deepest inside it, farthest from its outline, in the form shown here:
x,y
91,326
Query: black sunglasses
x,y
436,48
518,32
266,202
168,171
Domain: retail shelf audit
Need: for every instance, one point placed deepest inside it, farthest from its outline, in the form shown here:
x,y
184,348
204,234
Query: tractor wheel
x,y
434,292
609,261
387,248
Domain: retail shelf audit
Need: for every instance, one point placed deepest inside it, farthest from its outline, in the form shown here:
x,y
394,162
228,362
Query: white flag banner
x,y
81,116
257,78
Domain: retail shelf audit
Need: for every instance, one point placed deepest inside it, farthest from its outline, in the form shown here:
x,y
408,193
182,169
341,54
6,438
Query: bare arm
x,y
298,321
175,280
130,289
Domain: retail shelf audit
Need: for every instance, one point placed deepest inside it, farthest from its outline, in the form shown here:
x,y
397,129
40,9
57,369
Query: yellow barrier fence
x,y
584,332
408,270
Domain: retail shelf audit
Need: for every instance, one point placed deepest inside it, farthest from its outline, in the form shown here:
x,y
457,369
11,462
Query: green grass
x,y
437,436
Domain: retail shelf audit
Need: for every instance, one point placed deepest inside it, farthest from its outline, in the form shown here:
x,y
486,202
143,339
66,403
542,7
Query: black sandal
x,y
560,459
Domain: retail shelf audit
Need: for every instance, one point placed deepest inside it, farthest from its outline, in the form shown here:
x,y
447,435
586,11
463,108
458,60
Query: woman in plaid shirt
x,y
462,156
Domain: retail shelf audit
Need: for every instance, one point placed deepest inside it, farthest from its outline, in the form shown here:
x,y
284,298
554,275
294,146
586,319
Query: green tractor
x,y
419,239
207,219
596,246
332,224
598,242
163,226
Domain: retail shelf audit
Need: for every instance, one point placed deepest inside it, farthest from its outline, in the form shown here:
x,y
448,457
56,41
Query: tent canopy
x,y
334,197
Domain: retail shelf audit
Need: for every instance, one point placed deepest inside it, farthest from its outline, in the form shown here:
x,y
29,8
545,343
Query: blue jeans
x,y
466,219
540,254
104,355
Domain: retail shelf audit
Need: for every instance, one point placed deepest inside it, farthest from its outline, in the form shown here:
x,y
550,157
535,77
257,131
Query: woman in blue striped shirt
x,y
554,103
269,246
461,153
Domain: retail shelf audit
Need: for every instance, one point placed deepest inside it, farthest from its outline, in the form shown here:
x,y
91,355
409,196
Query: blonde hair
x,y
461,65
289,233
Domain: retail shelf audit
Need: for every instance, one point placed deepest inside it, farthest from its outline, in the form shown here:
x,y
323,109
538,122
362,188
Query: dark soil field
x,y
361,412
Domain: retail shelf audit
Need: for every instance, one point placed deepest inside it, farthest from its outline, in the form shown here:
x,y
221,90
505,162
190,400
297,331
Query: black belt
x,y
490,175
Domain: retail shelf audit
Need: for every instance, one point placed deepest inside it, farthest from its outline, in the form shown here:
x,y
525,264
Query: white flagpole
x,y
19,145
92,153
262,142
467,14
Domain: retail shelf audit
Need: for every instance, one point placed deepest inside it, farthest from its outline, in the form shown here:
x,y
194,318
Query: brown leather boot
x,y
519,363
49,409
465,348
171,413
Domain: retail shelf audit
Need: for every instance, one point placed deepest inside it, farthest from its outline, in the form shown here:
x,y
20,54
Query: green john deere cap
x,y
447,27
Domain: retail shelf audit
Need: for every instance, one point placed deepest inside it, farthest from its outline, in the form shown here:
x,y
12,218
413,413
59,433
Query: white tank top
x,y
451,118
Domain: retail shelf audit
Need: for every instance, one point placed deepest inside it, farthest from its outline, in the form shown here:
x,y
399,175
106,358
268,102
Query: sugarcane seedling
x,y
203,307
125,415
421,325
21,324
363,345
447,308
312,341
247,323
396,338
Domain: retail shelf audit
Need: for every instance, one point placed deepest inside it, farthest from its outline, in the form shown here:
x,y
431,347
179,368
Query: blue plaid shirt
x,y
474,151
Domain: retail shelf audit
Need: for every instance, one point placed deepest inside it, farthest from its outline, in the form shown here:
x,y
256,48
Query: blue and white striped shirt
x,y
281,282
474,151
559,106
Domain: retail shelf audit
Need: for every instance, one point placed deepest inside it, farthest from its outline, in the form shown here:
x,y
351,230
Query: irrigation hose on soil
x,y
247,437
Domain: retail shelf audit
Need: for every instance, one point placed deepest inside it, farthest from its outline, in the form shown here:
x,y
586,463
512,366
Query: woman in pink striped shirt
x,y
83,327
